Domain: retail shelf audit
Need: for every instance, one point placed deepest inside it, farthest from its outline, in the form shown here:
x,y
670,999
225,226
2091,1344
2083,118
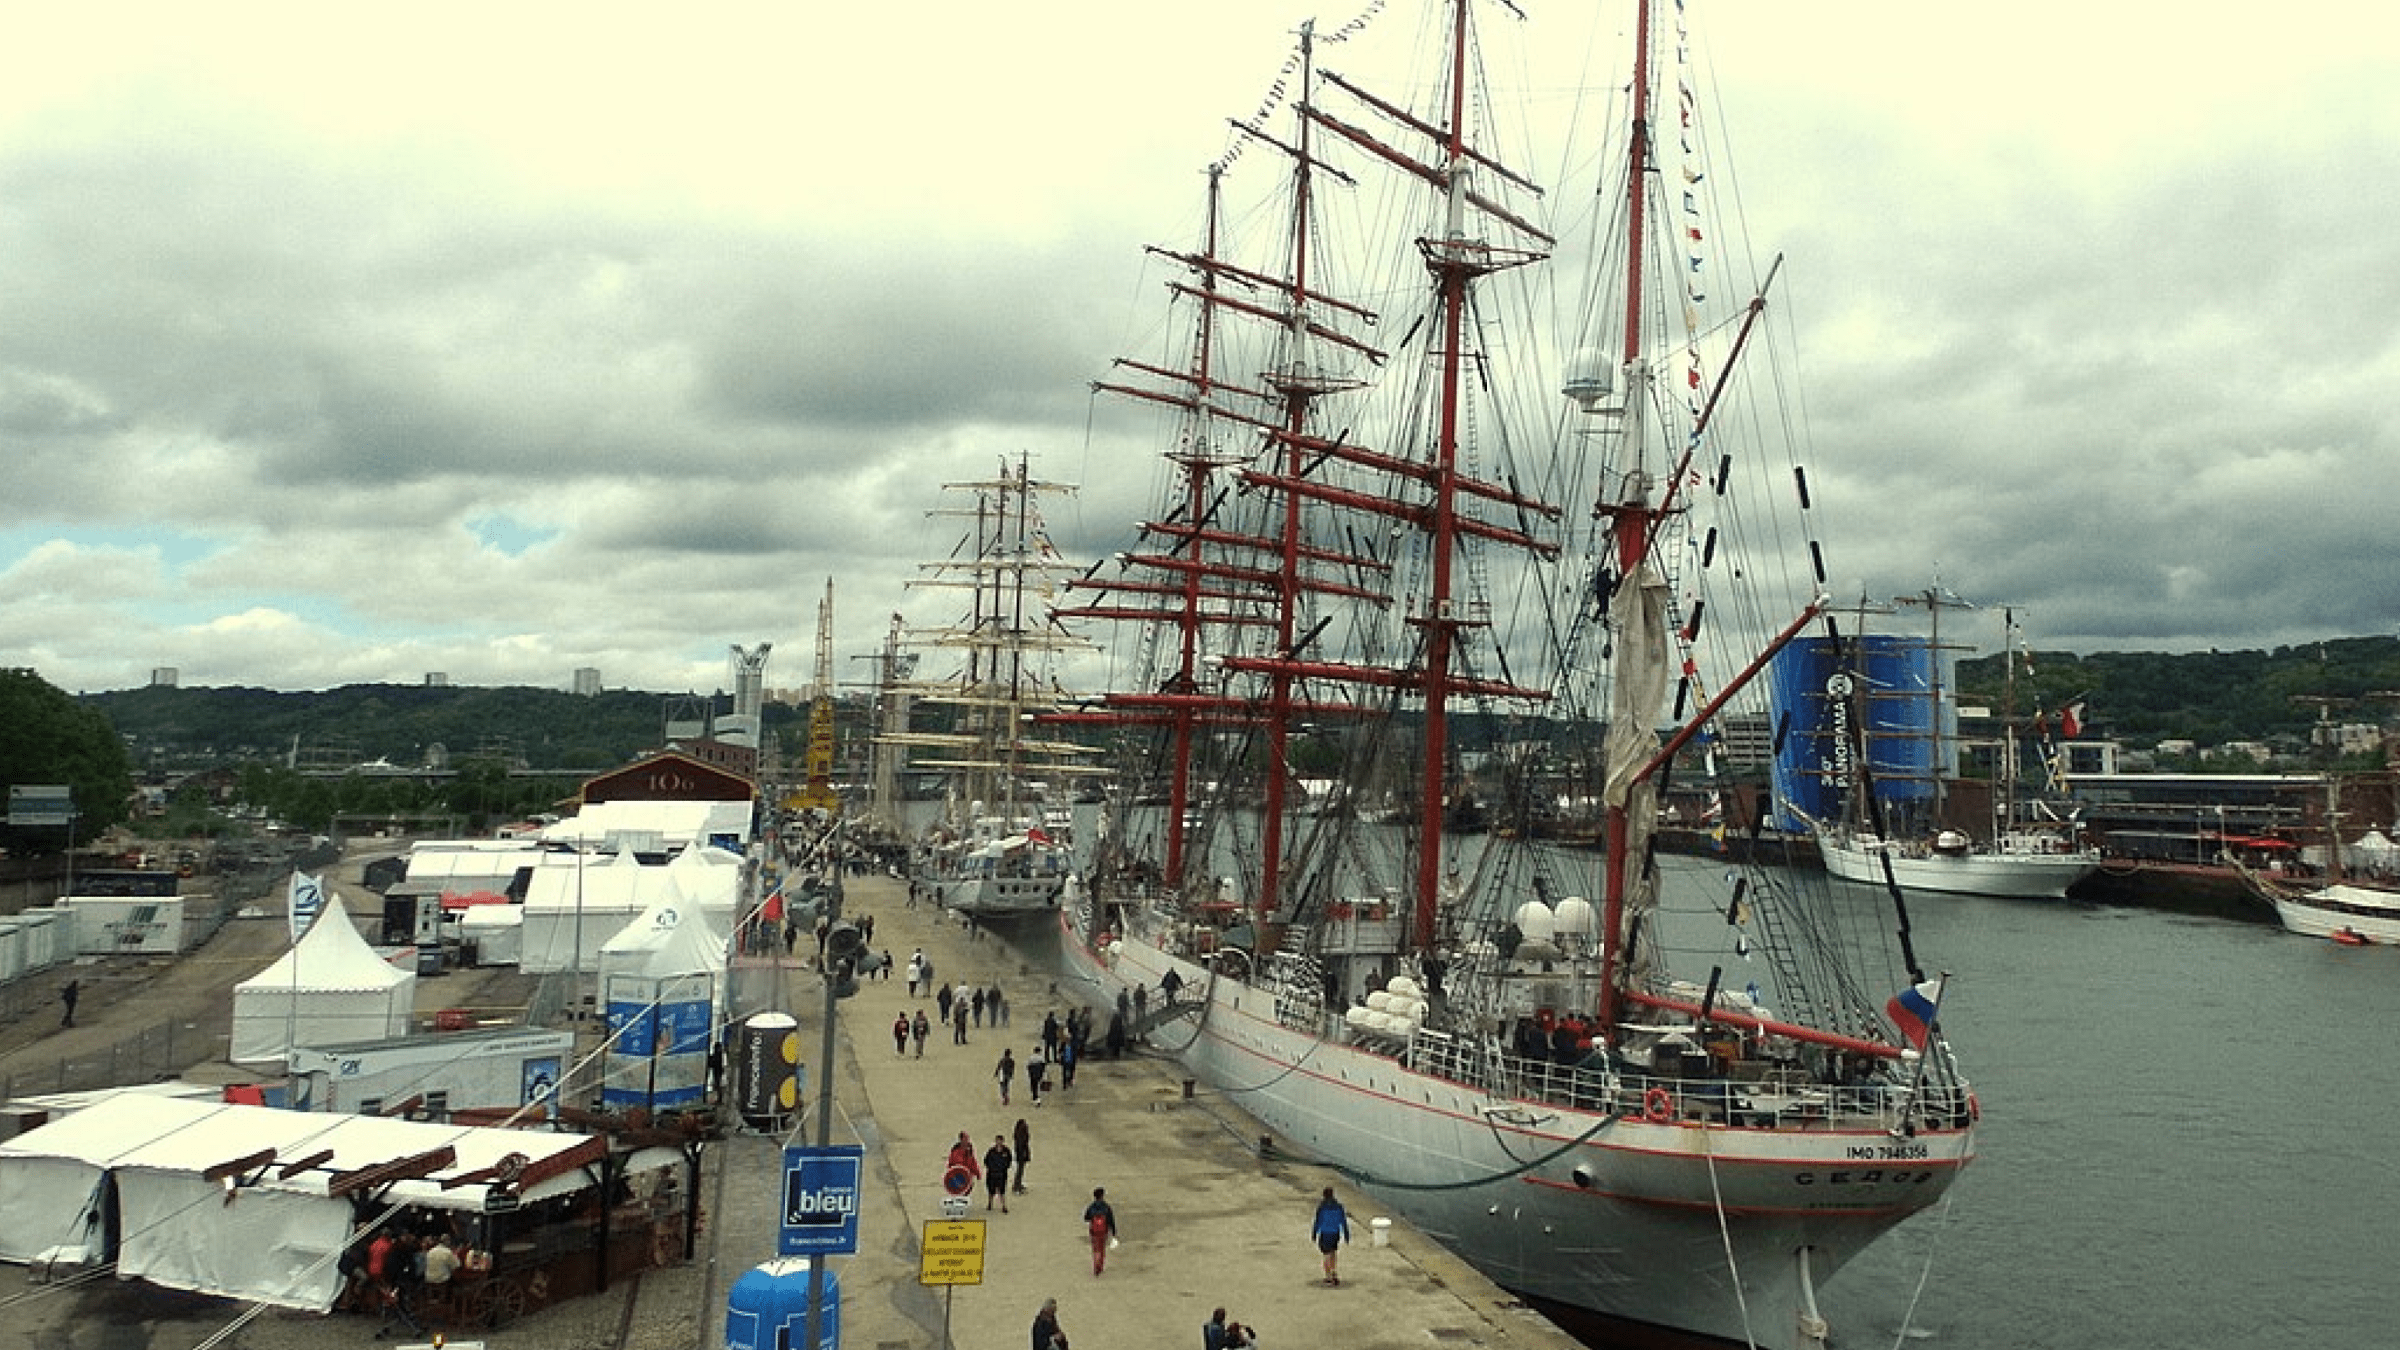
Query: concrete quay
x,y
1208,1218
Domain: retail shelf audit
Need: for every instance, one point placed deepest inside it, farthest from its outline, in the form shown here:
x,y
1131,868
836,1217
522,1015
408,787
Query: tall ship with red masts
x,y
1392,572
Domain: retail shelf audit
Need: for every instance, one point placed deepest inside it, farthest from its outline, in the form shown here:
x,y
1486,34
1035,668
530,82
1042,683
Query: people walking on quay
x,y
1046,1335
67,996
1036,1069
941,1002
918,1030
1212,1331
1101,1219
1331,1228
1024,1151
1006,1073
997,1005
900,1034
958,1022
1050,1033
996,1161
1067,1058
977,1001
916,970
962,1155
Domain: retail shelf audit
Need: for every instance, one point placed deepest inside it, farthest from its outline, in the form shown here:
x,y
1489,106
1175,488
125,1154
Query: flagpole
x,y
1916,1080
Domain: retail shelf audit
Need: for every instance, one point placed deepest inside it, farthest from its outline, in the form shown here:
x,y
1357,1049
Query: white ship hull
x,y
2331,911
997,897
2033,876
1617,1215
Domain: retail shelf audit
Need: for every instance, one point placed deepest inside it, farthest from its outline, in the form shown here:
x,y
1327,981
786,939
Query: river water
x,y
2190,1138
2187,1140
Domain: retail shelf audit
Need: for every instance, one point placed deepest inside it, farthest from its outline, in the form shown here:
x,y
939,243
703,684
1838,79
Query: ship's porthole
x,y
1583,1176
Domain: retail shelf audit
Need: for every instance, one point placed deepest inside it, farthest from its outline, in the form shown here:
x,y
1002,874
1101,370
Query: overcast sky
x,y
344,343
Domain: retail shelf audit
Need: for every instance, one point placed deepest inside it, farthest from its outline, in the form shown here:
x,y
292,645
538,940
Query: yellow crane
x,y
817,791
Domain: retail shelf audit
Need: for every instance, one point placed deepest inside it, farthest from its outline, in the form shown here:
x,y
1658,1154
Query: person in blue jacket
x,y
1331,1230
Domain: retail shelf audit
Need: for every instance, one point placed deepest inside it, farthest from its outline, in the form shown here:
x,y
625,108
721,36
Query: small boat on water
x,y
2023,866
1643,1093
2351,913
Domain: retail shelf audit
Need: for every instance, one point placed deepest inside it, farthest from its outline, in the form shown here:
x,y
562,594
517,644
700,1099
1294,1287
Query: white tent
x,y
576,902
498,932
328,988
662,979
271,1238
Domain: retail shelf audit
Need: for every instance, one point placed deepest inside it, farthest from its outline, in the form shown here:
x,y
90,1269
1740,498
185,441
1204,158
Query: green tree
x,y
47,737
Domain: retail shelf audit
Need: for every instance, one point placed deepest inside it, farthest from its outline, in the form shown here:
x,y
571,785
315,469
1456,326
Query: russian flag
x,y
1913,1009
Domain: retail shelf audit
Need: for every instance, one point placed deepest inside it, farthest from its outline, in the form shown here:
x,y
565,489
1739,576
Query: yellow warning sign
x,y
952,1252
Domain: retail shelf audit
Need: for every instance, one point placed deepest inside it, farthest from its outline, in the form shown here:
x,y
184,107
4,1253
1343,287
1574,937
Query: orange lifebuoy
x,y
1659,1105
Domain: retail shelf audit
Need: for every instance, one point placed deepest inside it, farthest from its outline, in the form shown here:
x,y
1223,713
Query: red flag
x,y
2070,720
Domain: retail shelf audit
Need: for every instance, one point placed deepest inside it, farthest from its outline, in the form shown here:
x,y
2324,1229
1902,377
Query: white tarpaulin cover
x,y
276,1240
329,988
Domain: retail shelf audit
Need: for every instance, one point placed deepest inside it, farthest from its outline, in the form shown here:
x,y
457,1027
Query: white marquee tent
x,y
328,988
271,1238
575,905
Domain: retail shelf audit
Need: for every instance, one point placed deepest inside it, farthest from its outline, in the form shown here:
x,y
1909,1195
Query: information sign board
x,y
952,1252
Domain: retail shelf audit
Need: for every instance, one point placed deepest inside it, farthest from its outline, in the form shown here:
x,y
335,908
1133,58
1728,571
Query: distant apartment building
x,y
437,679
587,681
164,677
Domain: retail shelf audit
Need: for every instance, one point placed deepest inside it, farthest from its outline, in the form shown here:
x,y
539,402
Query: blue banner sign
x,y
820,1200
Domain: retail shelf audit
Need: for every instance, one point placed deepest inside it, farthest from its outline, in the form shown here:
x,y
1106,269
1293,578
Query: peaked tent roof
x,y
669,938
331,956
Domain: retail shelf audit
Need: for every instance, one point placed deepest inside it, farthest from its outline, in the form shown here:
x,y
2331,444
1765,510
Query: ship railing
x,y
1757,1097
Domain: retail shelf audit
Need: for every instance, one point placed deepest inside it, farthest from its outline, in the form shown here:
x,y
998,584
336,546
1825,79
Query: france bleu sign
x,y
820,1200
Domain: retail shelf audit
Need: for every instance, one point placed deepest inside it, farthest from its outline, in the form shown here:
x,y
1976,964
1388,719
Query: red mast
x,y
1633,514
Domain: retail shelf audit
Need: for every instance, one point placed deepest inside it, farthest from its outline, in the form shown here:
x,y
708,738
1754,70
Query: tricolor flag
x,y
307,896
2070,721
1914,1010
